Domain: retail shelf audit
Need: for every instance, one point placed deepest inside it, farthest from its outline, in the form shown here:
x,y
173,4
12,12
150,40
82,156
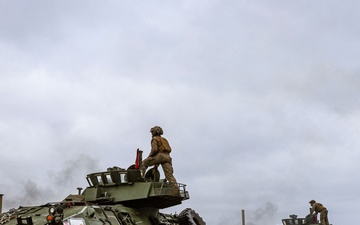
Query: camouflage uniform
x,y
319,208
160,154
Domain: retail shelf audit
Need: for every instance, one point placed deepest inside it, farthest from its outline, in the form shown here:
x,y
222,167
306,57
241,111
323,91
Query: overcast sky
x,y
258,99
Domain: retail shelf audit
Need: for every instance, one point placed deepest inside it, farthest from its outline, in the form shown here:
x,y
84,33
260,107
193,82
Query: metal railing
x,y
164,188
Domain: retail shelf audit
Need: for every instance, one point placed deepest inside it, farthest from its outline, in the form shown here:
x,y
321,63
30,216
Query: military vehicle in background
x,y
294,220
116,196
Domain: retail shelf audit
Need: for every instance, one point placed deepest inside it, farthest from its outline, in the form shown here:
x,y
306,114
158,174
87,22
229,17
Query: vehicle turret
x,y
127,187
294,220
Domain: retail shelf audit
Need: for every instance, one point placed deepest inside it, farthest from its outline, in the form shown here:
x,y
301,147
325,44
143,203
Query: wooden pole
x,y
243,216
1,197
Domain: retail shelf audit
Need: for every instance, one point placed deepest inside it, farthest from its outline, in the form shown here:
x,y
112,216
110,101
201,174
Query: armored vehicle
x,y
294,220
116,196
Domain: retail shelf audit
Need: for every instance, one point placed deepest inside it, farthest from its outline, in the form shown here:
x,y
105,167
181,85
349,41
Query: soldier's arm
x,y
154,148
312,210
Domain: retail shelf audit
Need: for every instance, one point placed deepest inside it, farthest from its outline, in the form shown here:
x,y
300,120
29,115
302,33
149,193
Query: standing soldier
x,y
317,207
160,154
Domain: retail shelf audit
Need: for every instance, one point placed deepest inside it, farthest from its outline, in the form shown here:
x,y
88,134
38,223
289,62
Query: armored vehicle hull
x,y
114,197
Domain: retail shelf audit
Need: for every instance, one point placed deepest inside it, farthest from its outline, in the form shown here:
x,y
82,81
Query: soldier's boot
x,y
142,171
176,189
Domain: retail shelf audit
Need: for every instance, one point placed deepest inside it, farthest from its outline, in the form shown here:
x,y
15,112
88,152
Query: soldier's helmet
x,y
312,201
157,130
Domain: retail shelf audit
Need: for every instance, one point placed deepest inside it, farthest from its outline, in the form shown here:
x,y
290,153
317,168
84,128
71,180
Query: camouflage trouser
x,y
324,217
165,161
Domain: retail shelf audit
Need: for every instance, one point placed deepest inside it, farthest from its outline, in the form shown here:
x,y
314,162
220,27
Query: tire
x,y
190,217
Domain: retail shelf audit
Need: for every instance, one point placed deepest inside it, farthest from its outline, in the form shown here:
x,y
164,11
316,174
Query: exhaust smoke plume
x,y
60,183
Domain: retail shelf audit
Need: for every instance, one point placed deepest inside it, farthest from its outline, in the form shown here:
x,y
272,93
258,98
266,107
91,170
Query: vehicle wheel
x,y
190,217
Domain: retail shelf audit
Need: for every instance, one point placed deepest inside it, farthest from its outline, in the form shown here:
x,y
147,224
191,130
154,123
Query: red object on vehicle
x,y
137,159
315,218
